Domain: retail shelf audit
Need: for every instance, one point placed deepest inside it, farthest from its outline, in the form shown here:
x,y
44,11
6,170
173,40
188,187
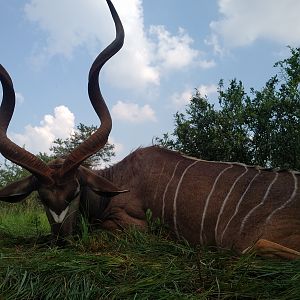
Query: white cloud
x,y
207,90
133,67
19,98
183,98
61,124
174,52
119,151
213,41
39,138
118,146
206,64
87,24
66,24
133,113
244,22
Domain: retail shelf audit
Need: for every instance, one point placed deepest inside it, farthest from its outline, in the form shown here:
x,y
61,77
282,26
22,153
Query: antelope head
x,y
60,182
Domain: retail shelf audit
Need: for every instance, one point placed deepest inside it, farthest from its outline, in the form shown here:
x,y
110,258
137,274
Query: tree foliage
x,y
10,172
61,147
262,127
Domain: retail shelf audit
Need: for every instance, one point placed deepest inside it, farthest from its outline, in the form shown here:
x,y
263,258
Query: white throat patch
x,y
59,218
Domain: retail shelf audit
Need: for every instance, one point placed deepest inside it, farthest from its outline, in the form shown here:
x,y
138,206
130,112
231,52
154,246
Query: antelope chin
x,y
59,218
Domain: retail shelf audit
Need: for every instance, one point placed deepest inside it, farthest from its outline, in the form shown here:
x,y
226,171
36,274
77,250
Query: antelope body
x,y
229,205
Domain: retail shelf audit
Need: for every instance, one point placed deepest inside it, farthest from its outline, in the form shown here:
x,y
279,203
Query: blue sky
x,y
171,48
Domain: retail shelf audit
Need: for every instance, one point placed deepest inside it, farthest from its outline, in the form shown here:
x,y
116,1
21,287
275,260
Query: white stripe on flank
x,y
259,205
226,199
239,203
176,195
158,180
59,218
288,201
165,192
207,201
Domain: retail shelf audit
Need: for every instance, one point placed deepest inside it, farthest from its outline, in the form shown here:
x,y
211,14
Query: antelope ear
x,y
18,190
98,184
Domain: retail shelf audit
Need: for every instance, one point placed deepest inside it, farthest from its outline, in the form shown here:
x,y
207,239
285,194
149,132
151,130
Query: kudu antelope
x,y
229,205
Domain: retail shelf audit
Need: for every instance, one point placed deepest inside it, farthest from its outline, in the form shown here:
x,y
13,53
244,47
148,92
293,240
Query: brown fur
x,y
147,173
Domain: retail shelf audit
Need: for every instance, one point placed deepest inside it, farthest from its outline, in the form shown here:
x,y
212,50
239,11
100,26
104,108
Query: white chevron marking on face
x,y
59,218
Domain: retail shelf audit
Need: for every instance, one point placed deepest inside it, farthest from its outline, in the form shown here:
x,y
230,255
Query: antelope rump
x,y
229,205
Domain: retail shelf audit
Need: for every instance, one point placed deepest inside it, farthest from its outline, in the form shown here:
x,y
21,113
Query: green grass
x,y
130,265
24,222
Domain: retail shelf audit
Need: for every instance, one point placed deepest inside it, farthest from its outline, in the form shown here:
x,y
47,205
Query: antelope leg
x,y
267,248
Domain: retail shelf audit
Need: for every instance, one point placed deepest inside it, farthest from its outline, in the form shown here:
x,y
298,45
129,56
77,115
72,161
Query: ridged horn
x,y
99,138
